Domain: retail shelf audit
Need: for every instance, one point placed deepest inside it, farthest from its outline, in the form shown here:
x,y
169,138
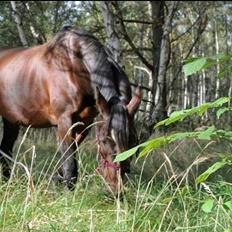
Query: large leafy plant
x,y
192,66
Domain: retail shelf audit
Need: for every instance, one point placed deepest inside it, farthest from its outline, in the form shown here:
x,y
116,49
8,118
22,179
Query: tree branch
x,y
128,39
188,30
136,21
203,23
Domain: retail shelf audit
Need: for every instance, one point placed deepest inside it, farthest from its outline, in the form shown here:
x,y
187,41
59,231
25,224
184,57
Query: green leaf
x,y
212,169
182,114
174,117
206,135
194,66
202,108
221,57
224,71
228,205
208,206
224,134
180,136
220,102
177,113
126,154
221,111
153,144
158,142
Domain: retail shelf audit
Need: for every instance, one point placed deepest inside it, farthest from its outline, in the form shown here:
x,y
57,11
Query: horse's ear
x,y
135,101
101,103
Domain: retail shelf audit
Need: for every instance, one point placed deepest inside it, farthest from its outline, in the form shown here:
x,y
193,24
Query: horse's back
x,y
24,97
36,88
8,53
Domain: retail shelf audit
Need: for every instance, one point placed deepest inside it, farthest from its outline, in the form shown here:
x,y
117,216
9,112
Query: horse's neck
x,y
99,67
105,73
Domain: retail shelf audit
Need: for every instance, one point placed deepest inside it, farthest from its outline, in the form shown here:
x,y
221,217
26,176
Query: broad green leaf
x,y
126,154
224,134
228,205
209,63
217,56
194,66
221,111
221,57
208,206
224,71
174,117
153,144
220,102
180,136
202,108
177,113
212,169
206,135
160,141
180,115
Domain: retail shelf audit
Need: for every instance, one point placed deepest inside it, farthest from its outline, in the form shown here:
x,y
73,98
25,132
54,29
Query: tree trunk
x,y
33,26
160,111
157,32
113,42
217,65
18,21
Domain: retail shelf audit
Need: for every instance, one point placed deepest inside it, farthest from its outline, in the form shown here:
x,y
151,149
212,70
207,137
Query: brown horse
x,y
67,80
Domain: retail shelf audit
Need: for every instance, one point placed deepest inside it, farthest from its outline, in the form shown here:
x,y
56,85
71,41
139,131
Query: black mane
x,y
105,72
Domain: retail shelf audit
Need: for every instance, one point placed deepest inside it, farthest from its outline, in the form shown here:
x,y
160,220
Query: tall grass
x,y
30,201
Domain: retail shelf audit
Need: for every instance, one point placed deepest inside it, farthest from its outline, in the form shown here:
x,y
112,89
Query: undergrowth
x,y
151,201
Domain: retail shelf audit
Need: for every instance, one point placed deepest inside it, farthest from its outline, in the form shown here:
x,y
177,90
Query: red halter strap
x,y
107,164
104,162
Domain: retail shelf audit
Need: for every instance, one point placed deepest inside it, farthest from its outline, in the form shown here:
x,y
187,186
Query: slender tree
x,y
113,42
18,21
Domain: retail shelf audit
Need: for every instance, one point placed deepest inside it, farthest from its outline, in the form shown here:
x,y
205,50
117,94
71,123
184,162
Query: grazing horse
x,y
72,78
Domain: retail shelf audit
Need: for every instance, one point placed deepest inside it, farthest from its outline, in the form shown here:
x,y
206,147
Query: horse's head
x,y
115,134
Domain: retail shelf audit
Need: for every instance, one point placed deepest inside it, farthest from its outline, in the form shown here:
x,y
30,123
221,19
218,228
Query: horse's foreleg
x,y
68,148
86,117
80,133
10,134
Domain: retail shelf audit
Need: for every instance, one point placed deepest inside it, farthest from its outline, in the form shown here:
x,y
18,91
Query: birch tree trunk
x,y
217,65
18,21
113,42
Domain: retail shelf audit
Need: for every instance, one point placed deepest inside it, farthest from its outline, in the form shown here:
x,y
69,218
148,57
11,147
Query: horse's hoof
x,y
70,183
5,174
58,179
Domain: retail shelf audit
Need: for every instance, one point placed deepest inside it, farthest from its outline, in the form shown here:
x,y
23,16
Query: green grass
x,y
148,203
